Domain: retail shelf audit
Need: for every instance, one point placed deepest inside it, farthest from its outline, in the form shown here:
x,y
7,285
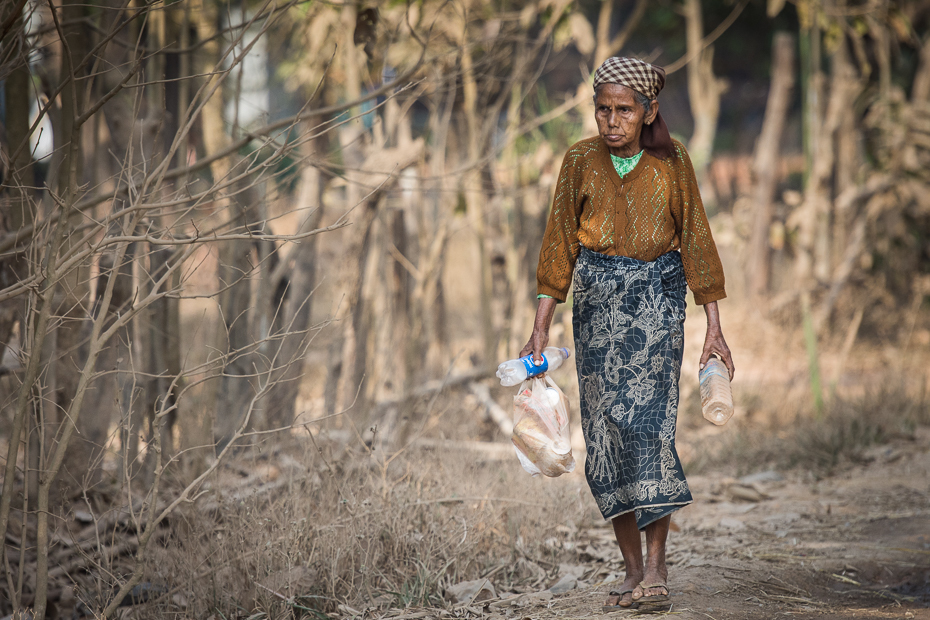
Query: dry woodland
x,y
259,261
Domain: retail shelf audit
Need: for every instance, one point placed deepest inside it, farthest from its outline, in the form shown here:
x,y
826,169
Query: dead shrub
x,y
345,527
848,427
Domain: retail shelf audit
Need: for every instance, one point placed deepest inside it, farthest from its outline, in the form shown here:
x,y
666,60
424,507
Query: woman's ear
x,y
651,112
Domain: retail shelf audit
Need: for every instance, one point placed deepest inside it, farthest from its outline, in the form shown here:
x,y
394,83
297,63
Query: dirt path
x,y
852,546
855,545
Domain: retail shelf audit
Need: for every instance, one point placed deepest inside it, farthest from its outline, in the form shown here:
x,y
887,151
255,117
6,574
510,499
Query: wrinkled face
x,y
620,119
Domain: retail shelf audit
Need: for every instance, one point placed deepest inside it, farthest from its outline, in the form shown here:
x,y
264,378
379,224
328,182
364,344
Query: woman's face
x,y
620,119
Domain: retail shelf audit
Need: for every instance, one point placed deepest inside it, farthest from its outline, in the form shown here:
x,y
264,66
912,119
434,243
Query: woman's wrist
x,y
544,313
713,317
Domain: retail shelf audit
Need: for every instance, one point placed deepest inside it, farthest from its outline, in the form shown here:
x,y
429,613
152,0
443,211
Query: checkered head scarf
x,y
646,79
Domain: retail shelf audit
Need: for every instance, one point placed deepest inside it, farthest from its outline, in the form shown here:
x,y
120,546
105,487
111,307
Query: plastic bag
x,y
541,436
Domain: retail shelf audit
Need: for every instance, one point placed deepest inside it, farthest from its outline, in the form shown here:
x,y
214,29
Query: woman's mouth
x,y
612,137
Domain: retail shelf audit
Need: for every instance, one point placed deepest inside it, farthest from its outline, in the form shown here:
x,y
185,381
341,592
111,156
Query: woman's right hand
x,y
540,338
537,342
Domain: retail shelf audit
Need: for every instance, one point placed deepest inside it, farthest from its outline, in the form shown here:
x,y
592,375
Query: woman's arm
x,y
713,341
540,336
560,247
698,250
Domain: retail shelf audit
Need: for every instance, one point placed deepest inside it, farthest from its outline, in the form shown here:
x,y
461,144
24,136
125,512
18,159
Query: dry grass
x,y
318,527
340,526
840,437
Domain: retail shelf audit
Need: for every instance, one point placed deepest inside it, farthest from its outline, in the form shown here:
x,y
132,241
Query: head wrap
x,y
648,80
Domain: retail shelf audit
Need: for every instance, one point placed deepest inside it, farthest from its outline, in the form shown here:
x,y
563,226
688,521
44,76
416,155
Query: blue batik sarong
x,y
629,320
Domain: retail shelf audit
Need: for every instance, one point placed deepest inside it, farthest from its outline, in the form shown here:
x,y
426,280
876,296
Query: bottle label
x,y
711,370
531,368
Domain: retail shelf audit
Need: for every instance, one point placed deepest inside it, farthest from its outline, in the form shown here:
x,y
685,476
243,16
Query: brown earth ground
x,y
855,545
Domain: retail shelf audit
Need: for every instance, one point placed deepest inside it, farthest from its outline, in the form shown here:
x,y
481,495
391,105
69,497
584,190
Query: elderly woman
x,y
628,221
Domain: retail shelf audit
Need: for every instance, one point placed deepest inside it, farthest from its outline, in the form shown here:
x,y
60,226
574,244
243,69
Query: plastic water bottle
x,y
716,398
512,372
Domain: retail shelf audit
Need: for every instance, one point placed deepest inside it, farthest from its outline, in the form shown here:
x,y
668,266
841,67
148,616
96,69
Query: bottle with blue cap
x,y
512,372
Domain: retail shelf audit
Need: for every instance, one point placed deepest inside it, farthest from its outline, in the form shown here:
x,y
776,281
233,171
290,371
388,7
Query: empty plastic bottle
x,y
513,372
716,398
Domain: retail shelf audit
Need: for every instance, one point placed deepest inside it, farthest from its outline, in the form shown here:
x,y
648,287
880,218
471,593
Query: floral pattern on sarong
x,y
628,319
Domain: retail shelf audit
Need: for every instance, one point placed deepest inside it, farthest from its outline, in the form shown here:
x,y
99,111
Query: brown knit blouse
x,y
654,209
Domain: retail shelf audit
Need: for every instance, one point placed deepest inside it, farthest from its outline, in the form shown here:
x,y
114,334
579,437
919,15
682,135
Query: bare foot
x,y
654,575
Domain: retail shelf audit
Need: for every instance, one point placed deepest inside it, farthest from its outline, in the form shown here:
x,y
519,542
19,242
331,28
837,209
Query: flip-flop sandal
x,y
610,608
654,598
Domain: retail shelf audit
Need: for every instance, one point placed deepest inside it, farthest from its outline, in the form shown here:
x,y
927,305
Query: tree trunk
x,y
236,266
472,188
882,47
74,325
812,93
134,120
234,389
402,280
17,203
400,277
838,233
765,161
164,355
164,332
920,93
357,384
380,169
704,91
848,160
815,241
351,137
297,309
432,226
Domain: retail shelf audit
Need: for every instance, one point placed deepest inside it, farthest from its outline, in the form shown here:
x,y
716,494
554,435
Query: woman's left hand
x,y
714,341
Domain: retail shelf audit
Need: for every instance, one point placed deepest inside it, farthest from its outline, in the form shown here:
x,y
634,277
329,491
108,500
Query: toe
x,y
657,591
637,593
627,600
